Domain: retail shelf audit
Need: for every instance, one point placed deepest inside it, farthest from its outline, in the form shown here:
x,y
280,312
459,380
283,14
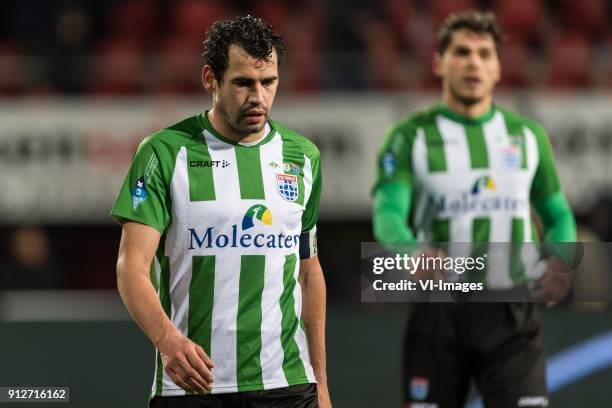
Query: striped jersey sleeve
x,y
144,196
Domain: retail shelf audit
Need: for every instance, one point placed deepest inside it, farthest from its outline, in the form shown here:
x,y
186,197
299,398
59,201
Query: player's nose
x,y
256,94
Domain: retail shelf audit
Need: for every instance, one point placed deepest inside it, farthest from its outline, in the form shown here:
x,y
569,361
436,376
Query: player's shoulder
x,y
174,136
299,141
409,124
514,119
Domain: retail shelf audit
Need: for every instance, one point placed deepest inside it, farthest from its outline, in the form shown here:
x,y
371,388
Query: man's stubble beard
x,y
465,100
234,123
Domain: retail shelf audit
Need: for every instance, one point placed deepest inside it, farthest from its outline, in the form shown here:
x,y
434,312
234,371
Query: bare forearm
x,y
142,301
313,314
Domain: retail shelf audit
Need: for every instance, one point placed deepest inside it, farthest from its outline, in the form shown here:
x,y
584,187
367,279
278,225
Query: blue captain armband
x,y
308,243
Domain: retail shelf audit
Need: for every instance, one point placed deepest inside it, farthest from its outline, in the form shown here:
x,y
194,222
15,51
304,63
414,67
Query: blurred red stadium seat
x,y
607,68
590,17
303,34
440,9
119,68
134,20
303,72
521,21
176,69
516,64
382,54
12,79
398,14
570,62
423,63
274,12
191,18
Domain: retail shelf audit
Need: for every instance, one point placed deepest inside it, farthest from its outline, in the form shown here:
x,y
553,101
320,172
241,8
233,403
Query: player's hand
x,y
186,363
554,284
323,395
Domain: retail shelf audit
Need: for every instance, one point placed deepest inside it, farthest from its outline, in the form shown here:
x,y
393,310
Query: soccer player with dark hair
x,y
218,260
466,170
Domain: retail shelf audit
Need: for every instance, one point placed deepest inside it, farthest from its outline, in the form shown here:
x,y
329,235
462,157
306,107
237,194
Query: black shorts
x,y
497,344
300,396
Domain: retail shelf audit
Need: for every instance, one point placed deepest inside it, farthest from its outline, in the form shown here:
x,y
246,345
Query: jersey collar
x,y
205,123
465,120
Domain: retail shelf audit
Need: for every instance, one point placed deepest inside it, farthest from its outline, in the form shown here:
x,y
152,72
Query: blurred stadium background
x,y
82,82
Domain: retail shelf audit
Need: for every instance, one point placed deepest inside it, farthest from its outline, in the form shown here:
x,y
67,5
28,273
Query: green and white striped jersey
x,y
235,220
472,179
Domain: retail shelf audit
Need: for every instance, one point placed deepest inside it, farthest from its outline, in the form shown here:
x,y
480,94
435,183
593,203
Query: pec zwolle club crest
x,y
287,186
419,388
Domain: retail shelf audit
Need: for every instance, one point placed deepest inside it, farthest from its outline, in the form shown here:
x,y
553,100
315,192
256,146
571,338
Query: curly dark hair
x,y
252,34
472,20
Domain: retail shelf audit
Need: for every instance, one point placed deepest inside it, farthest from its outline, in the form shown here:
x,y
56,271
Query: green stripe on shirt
x,y
479,158
249,172
441,231
199,171
201,296
248,321
292,363
436,156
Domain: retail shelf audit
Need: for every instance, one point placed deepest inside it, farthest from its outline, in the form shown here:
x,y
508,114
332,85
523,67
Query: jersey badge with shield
x,y
513,152
287,186
419,388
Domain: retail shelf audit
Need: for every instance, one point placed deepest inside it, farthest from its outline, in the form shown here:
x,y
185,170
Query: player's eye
x,y
485,54
462,51
242,82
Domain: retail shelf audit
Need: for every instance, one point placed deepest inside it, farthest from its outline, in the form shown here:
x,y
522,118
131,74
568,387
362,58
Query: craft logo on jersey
x,y
209,163
258,211
481,183
419,388
139,193
287,186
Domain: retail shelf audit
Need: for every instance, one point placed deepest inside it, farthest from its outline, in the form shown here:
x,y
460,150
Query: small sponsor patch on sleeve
x,y
139,193
388,163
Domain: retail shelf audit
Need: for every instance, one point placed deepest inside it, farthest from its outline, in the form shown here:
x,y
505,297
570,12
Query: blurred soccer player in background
x,y
468,145
220,211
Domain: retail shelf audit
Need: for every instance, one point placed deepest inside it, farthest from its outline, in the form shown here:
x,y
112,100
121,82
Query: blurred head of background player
x,y
31,264
467,61
241,58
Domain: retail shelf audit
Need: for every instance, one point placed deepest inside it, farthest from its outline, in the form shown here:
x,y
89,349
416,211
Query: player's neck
x,y
470,111
223,128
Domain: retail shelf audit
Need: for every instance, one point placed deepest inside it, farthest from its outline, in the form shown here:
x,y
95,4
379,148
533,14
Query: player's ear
x,y
437,65
208,79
